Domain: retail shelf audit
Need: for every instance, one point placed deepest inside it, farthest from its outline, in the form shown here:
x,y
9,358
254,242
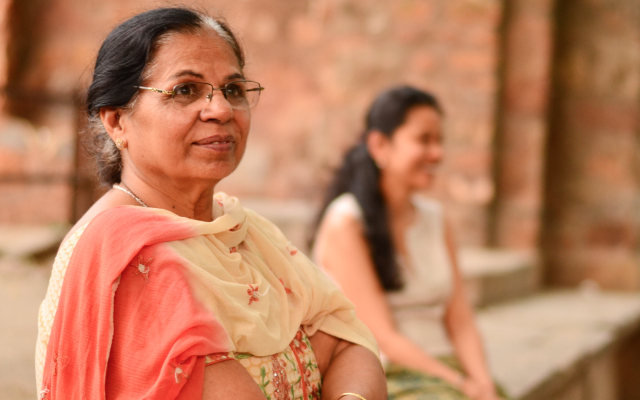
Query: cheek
x,y
408,158
244,122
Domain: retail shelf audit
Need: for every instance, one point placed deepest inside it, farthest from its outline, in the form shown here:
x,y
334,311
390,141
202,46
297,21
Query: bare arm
x,y
222,380
464,334
347,368
343,252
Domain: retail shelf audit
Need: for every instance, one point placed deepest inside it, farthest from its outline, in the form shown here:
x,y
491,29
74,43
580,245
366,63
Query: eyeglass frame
x,y
209,97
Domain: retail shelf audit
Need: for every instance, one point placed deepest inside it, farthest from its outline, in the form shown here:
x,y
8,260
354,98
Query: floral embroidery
x,y
315,392
178,373
217,357
298,345
290,375
233,249
301,347
235,228
253,294
292,250
280,382
59,363
286,289
142,268
43,394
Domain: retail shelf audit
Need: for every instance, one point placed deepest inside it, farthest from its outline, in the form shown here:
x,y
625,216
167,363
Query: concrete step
x,y
497,275
577,345
25,241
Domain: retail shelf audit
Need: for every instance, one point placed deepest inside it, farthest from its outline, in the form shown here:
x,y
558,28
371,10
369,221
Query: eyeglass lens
x,y
195,95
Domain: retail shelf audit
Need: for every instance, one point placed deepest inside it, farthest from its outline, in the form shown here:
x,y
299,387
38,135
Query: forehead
x,y
423,116
205,53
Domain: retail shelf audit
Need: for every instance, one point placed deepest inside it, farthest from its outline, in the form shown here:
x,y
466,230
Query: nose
x,y
217,108
436,152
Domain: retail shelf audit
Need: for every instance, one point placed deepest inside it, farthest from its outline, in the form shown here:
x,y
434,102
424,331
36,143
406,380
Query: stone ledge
x,y
25,241
498,275
540,346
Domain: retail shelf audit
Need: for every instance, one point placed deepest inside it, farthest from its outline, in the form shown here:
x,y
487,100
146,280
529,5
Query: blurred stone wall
x,y
592,195
322,62
541,101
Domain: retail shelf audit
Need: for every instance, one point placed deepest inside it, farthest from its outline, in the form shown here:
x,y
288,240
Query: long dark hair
x,y
360,176
122,62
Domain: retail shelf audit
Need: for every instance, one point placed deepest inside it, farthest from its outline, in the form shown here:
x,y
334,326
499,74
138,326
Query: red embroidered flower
x,y
280,381
297,343
315,392
286,289
233,249
253,294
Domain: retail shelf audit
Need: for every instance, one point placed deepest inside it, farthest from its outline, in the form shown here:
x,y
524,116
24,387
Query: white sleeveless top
x,y
419,307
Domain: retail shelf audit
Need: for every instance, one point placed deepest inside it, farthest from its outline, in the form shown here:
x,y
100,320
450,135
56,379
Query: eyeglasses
x,y
194,96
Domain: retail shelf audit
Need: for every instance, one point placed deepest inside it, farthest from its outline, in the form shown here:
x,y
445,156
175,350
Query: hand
x,y
480,390
471,389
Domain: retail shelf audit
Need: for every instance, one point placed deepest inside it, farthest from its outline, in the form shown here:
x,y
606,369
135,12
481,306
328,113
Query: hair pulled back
x,y
360,176
122,63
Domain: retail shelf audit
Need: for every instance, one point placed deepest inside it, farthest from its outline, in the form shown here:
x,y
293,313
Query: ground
x,y
22,288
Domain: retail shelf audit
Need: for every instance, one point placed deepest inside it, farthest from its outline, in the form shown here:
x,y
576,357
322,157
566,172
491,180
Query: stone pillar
x,y
521,122
592,191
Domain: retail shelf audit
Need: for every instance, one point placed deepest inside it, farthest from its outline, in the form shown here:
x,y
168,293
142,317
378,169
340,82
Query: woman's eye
x,y
186,90
234,90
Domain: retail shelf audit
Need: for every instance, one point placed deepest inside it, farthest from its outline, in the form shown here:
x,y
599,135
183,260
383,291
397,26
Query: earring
x,y
121,144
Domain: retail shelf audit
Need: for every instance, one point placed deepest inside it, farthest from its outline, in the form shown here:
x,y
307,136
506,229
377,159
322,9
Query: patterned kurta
x,y
156,297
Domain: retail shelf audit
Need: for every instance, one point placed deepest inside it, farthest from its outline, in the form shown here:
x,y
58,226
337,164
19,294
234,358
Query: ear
x,y
378,145
112,120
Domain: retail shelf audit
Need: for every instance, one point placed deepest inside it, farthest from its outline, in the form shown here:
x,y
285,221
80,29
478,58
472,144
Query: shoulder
x,y
343,217
345,205
341,226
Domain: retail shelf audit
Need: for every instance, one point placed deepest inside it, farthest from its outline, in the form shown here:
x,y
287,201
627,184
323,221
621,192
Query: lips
x,y
217,142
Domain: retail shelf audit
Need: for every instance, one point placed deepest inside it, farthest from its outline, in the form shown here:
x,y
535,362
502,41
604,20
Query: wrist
x,y
457,380
349,396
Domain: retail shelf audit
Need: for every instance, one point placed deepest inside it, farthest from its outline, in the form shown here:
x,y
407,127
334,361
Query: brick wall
x,y
592,194
322,62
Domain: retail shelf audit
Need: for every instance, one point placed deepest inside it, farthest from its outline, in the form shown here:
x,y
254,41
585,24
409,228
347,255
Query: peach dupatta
x,y
148,294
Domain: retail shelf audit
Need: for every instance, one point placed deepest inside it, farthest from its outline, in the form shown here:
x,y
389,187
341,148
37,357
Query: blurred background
x,y
541,176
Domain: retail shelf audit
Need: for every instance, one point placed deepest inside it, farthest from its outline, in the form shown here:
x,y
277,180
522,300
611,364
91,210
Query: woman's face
x,y
179,147
413,152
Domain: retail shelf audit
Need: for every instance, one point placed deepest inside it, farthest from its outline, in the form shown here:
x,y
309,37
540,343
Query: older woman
x,y
164,290
393,254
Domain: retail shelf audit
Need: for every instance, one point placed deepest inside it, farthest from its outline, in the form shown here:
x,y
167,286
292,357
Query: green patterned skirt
x,y
408,384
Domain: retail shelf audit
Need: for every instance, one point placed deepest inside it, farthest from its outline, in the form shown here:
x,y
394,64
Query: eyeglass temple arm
x,y
156,90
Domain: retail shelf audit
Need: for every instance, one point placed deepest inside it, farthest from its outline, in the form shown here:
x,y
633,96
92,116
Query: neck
x,y
397,197
186,200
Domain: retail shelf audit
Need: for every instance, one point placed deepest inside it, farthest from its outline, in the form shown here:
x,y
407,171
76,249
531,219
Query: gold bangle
x,y
350,394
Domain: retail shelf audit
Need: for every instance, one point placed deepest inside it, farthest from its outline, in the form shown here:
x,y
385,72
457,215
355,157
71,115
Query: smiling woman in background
x,y
392,253
164,290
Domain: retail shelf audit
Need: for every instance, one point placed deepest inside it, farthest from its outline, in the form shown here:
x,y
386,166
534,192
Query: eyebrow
x,y
235,76
188,72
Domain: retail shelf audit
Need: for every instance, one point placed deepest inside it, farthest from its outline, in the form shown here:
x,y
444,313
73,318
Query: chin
x,y
423,183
